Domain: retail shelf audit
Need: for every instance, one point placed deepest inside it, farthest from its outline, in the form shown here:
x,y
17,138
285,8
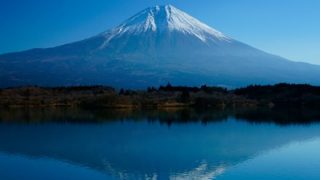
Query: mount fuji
x,y
158,45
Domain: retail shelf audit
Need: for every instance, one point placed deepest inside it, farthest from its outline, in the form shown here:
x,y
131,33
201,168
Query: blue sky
x,y
289,28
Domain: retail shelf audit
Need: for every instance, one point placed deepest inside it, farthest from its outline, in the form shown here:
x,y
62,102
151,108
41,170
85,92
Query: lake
x,y
168,144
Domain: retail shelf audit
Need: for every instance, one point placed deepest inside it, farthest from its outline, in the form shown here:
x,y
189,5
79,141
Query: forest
x,y
168,96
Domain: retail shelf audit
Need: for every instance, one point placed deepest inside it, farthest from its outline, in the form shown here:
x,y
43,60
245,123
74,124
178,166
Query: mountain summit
x,y
166,19
157,45
161,29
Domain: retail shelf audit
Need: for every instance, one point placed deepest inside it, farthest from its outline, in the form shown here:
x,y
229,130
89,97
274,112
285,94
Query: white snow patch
x,y
162,19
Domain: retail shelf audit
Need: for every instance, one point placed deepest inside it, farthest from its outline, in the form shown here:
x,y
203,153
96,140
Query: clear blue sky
x,y
289,28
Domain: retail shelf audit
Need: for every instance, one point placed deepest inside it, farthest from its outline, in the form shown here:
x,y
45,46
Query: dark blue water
x,y
62,146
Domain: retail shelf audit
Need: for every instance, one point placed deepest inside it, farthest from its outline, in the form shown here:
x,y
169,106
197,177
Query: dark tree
x,y
121,92
185,96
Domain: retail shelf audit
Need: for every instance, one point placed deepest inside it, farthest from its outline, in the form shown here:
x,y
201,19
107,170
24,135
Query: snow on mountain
x,y
165,19
157,45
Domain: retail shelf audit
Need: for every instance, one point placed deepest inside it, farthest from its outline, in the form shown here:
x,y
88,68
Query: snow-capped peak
x,y
165,19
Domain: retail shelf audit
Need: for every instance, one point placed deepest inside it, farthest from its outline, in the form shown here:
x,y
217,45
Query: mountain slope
x,y
158,45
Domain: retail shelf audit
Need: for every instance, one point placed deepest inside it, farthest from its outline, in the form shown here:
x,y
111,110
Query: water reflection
x,y
280,116
181,144
297,160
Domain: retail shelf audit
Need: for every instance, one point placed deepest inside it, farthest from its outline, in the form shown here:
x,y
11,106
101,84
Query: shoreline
x,y
164,97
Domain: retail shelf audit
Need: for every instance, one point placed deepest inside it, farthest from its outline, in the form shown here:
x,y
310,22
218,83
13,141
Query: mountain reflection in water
x,y
167,144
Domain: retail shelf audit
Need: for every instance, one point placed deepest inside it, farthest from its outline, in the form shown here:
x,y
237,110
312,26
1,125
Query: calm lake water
x,y
186,144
